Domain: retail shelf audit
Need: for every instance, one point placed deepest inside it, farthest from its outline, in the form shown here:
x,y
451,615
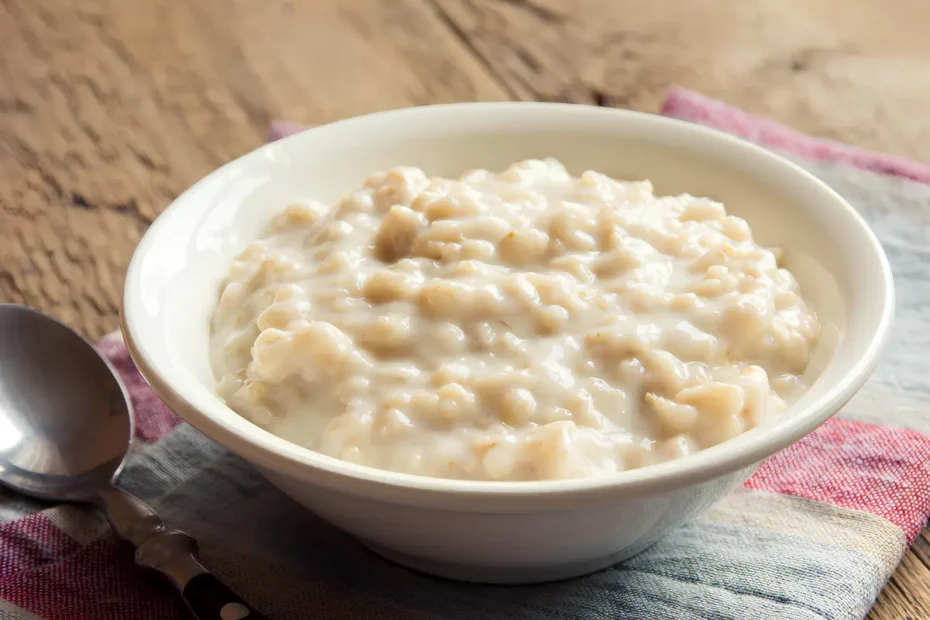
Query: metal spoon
x,y
65,427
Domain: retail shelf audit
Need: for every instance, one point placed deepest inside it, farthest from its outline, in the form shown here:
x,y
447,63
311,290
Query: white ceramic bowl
x,y
504,531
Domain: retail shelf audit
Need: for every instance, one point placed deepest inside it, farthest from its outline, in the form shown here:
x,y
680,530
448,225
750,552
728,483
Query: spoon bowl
x,y
65,429
65,420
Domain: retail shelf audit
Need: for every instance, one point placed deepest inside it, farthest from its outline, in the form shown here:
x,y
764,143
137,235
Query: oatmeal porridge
x,y
524,325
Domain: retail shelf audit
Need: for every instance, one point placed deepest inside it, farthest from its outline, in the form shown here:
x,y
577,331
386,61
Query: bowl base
x,y
504,575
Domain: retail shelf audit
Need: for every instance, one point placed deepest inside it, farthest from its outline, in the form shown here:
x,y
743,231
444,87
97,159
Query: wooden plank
x,y
849,70
906,596
110,109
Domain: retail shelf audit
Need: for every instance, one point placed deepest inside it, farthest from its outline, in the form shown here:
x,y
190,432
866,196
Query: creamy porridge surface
x,y
525,325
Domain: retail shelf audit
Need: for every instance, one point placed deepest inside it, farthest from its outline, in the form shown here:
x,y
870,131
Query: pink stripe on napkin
x,y
688,105
97,582
31,542
282,129
153,419
876,469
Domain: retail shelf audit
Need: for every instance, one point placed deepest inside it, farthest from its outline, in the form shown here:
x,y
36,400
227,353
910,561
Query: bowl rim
x,y
283,457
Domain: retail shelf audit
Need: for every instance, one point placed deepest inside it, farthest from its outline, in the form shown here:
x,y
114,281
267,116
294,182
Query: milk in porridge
x,y
524,325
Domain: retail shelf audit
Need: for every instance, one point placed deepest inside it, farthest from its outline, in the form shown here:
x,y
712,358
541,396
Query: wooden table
x,y
109,108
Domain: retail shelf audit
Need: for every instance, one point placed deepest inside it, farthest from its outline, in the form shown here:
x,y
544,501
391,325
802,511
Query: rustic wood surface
x,y
109,109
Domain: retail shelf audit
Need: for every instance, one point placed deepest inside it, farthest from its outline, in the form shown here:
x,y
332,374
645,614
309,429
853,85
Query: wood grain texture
x,y
849,70
907,593
109,109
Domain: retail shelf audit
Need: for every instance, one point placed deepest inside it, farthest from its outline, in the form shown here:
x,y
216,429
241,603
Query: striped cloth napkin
x,y
814,533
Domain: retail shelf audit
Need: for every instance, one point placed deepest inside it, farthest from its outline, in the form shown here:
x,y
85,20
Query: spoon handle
x,y
173,554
